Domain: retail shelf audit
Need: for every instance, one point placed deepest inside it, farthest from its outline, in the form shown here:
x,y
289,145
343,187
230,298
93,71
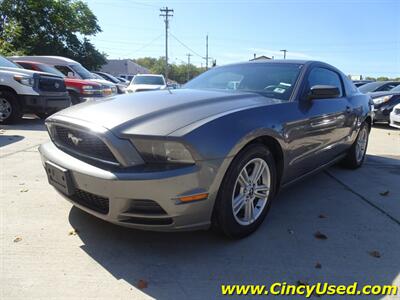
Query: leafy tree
x,y
370,78
50,27
382,78
176,72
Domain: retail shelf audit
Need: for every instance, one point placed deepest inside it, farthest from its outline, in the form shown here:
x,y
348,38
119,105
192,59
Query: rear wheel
x,y
246,192
10,111
356,155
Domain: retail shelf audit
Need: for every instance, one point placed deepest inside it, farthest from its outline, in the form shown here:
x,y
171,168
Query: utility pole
x,y
207,52
188,66
284,53
166,13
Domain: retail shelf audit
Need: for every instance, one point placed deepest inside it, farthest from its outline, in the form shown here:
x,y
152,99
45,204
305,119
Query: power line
x,y
187,47
166,13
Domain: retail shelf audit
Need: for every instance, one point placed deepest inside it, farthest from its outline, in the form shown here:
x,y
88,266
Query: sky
x,y
360,37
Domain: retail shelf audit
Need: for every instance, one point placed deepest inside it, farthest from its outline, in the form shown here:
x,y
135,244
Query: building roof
x,y
123,66
260,57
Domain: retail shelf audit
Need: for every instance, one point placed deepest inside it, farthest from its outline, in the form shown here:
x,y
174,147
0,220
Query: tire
x,y
74,98
356,155
42,115
237,224
10,111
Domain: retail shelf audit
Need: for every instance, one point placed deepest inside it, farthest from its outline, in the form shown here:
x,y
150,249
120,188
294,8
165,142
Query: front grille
x,y
84,143
49,84
91,201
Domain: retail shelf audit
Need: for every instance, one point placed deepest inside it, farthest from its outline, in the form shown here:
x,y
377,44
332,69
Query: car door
x,y
321,127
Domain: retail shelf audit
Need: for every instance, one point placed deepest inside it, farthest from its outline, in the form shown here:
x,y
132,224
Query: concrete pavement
x,y
42,258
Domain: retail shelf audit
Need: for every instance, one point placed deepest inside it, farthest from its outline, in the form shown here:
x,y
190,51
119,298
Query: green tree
x,y
50,27
176,72
382,78
370,78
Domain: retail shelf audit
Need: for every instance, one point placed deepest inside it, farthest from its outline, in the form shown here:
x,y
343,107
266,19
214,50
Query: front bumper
x,y
44,103
123,188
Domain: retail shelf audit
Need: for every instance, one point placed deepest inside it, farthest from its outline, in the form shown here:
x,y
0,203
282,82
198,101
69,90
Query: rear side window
x,y
63,69
322,76
26,66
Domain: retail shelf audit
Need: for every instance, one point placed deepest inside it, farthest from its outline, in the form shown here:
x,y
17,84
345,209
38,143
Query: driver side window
x,y
322,76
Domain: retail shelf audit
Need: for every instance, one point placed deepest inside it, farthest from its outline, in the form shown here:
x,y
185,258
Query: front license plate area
x,y
60,178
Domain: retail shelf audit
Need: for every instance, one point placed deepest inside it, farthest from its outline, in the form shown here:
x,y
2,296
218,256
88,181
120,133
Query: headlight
x,y
381,100
91,90
25,80
154,151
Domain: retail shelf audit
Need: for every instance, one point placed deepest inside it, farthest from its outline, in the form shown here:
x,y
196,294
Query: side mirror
x,y
70,75
323,92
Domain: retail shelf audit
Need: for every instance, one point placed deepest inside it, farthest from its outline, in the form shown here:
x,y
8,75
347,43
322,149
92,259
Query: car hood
x,y
381,94
159,112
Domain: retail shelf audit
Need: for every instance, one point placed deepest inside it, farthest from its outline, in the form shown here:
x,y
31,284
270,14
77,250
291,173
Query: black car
x,y
359,83
378,86
384,103
120,85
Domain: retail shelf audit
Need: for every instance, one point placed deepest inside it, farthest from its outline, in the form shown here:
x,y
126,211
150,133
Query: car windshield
x,y
51,70
4,62
82,72
109,78
396,89
370,87
275,80
152,80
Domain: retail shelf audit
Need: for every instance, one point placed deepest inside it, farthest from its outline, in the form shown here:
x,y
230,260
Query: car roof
x,y
154,75
46,59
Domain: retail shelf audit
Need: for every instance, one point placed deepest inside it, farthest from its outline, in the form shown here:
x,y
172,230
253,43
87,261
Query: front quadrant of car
x,y
212,153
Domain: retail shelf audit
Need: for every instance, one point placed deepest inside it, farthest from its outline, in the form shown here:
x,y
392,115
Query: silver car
x,y
215,152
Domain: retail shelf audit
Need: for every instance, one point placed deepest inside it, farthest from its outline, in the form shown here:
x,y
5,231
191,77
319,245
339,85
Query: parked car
x,y
128,77
71,69
206,154
395,117
24,91
378,86
123,80
79,90
120,85
146,82
359,83
384,102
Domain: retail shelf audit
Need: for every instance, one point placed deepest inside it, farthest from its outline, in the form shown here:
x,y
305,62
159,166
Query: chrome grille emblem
x,y
74,139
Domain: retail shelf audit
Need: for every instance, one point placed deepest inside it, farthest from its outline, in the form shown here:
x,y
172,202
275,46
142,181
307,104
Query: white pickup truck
x,y
24,91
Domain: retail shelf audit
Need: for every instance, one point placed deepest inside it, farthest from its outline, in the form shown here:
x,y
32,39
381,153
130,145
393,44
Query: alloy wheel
x,y
5,109
361,145
251,190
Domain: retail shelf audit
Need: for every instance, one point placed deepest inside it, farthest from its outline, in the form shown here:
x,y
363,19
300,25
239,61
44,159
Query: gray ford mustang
x,y
213,153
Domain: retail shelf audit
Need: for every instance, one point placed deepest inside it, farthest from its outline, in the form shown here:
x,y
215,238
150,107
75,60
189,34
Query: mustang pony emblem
x,y
74,139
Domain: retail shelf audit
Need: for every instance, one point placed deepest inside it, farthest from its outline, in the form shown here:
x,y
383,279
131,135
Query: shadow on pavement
x,y
26,123
284,249
9,139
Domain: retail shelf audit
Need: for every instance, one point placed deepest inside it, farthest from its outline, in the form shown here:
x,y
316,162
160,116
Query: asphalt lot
x,y
359,212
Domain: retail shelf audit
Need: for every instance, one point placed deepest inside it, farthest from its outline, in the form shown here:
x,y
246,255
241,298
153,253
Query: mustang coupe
x,y
214,153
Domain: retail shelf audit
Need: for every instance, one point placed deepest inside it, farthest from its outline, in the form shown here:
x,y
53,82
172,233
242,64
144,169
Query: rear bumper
x,y
44,103
121,190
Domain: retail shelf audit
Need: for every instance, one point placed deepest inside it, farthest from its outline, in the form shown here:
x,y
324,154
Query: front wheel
x,y
9,108
246,192
356,155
